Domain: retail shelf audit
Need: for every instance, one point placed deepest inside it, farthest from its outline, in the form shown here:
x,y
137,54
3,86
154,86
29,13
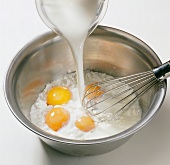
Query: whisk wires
x,y
129,88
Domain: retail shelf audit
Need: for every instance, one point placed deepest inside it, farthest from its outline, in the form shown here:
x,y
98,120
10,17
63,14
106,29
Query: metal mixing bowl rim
x,y
116,137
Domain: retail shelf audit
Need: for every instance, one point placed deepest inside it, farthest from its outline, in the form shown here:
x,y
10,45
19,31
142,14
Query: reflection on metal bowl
x,y
106,50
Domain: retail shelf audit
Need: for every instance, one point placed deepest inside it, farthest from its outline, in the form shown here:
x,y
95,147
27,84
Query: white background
x,y
149,20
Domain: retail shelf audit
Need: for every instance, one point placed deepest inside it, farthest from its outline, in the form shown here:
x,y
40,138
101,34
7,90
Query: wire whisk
x,y
113,96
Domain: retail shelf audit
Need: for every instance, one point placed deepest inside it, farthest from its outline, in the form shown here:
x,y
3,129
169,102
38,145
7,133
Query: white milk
x,y
72,19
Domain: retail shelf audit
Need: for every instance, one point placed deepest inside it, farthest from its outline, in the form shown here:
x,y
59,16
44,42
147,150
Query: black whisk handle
x,y
163,71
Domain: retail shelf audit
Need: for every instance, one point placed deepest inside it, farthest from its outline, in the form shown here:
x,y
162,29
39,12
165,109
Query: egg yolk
x,y
57,118
93,91
58,95
85,123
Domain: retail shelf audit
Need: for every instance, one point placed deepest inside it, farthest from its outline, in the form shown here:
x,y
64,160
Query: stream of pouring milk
x,y
72,19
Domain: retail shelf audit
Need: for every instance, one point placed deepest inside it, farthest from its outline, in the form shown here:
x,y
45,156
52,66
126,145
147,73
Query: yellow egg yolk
x,y
57,118
85,123
93,91
58,95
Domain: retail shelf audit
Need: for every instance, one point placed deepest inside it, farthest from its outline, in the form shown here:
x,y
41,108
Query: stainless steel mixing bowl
x,y
106,50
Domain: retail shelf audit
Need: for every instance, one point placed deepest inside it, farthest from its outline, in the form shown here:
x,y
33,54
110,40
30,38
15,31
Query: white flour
x,y
70,131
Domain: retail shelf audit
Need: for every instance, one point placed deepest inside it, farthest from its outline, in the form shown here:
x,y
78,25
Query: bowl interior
x,y
106,50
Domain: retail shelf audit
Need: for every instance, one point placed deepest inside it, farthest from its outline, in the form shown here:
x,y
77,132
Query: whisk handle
x,y
162,72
